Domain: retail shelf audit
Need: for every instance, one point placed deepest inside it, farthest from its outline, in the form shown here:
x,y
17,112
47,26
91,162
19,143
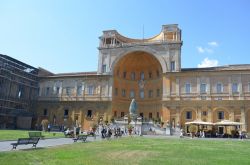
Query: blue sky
x,y
62,36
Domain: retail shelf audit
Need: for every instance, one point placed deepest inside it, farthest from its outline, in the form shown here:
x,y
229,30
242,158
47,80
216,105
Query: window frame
x,y
172,66
188,88
142,94
189,115
235,87
217,88
203,88
221,115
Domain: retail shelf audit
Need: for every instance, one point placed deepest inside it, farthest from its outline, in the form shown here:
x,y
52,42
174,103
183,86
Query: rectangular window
x,y
220,115
47,91
150,75
124,74
204,113
45,112
142,94
122,114
203,88
235,88
188,88
103,68
68,91
142,76
158,92
57,90
90,90
116,91
132,94
66,113
115,113
189,115
79,90
172,66
150,115
150,93
219,88
89,113
133,76
123,93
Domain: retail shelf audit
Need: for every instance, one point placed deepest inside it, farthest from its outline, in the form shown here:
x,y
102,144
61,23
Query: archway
x,y
137,75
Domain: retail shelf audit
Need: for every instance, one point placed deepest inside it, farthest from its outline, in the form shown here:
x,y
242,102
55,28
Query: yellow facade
x,y
150,71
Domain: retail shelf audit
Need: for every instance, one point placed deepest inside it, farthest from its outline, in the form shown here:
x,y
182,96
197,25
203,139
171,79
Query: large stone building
x,y
150,71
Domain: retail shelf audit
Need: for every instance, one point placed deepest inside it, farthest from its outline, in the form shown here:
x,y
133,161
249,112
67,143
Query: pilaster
x,y
243,118
209,114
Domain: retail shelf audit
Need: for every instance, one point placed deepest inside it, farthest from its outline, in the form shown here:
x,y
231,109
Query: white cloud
x,y
213,43
200,49
208,63
204,50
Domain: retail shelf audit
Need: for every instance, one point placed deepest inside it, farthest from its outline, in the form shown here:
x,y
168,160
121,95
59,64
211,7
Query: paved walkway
x,y
6,145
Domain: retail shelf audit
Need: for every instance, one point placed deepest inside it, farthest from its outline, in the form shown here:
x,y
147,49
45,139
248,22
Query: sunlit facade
x,y
148,70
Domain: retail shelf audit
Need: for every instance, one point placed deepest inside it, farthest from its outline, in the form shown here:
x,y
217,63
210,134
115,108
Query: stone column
x,y
243,118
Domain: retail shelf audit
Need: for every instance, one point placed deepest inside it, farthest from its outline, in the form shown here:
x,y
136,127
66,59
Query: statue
x,y
132,107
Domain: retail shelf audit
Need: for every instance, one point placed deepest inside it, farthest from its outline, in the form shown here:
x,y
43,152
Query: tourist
x,y
181,133
49,127
203,134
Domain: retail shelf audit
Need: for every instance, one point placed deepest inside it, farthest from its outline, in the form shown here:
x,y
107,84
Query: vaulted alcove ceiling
x,y
138,60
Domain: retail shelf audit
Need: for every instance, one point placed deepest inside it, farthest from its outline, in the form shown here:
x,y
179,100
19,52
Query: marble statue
x,y
133,107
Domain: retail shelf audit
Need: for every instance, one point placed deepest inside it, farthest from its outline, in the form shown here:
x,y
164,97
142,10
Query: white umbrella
x,y
198,122
228,123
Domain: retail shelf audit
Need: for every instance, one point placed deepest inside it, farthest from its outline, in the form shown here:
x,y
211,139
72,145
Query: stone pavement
x,y
6,145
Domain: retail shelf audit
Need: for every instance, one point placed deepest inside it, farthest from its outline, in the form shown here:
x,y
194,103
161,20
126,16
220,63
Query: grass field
x,y
15,134
135,151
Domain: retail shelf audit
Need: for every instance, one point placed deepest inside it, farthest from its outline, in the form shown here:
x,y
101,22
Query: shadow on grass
x,y
32,149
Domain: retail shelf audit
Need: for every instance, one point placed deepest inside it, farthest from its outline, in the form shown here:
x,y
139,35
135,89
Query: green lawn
x,y
15,134
135,151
